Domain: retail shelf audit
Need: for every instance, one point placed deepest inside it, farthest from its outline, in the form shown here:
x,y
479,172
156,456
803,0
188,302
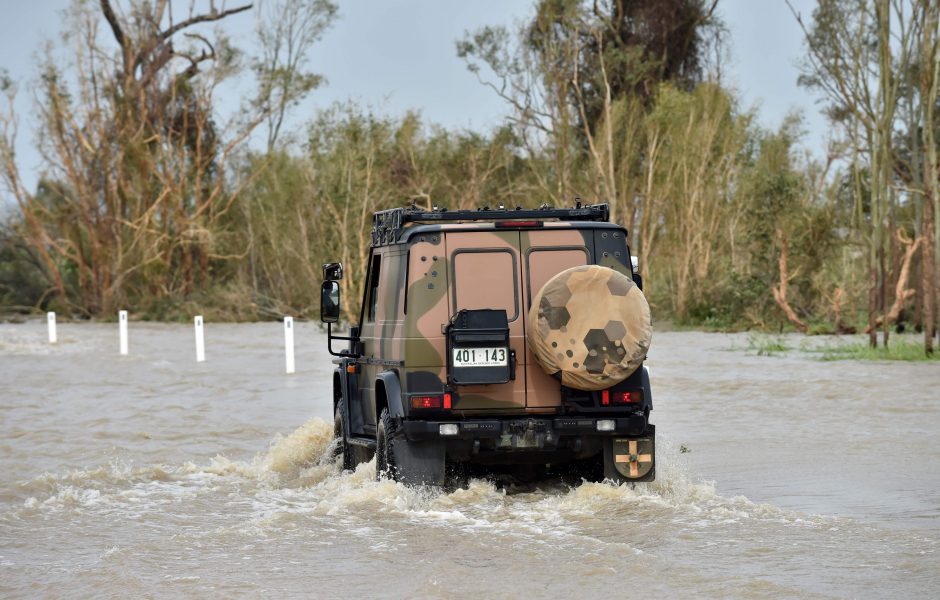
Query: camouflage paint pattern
x,y
427,310
590,326
419,291
380,333
489,249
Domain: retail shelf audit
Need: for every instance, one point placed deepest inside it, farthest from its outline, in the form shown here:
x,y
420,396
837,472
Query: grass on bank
x,y
764,345
905,351
897,350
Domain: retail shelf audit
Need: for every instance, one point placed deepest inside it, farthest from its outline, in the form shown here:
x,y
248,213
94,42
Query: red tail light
x,y
626,397
426,402
447,399
609,397
512,224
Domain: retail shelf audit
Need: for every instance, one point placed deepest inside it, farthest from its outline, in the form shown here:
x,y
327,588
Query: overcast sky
x,y
395,55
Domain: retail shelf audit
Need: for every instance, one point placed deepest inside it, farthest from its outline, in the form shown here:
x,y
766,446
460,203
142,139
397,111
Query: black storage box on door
x,y
478,351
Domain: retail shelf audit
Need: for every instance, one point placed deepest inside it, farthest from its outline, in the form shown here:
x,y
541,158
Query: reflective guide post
x,y
50,317
200,341
289,344
122,331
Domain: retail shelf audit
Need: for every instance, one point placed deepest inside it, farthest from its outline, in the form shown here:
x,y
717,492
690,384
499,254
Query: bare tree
x,y
534,82
138,163
855,48
287,30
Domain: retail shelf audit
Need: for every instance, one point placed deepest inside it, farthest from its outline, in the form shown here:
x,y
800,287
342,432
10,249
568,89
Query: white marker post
x,y
200,341
50,317
122,329
289,344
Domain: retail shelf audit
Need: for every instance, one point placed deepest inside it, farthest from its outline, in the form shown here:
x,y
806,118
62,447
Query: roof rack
x,y
387,225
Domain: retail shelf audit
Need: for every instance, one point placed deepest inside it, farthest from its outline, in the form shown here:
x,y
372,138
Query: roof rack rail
x,y
387,225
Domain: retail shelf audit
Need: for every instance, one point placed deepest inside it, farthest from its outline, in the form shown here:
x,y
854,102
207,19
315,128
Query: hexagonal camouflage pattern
x,y
590,326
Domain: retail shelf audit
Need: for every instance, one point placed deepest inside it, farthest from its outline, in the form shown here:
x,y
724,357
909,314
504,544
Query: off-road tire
x,y
341,449
456,476
385,463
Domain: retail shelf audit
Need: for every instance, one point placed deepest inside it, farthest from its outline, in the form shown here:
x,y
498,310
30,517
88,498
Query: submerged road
x,y
152,475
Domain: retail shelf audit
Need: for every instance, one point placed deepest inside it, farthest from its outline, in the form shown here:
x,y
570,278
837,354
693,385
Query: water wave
x,y
299,475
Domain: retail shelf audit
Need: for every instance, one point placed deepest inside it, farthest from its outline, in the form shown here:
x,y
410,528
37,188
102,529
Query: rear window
x,y
545,264
486,280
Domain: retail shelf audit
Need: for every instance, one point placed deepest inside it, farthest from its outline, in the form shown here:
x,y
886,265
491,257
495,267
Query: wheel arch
x,y
337,388
388,395
647,389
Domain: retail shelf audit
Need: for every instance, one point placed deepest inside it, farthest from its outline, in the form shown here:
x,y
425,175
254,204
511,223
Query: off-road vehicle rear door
x,y
545,253
486,268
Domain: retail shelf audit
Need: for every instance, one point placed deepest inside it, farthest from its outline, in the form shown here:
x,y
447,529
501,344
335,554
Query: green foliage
x,y
764,345
303,211
821,328
640,45
609,102
727,306
22,285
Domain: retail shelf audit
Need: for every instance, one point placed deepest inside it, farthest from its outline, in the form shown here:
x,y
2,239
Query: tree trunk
x,y
883,302
927,269
872,304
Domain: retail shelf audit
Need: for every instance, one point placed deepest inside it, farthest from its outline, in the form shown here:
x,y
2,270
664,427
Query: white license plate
x,y
481,357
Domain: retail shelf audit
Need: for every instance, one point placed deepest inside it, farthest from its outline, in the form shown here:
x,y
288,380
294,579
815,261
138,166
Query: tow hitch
x,y
528,433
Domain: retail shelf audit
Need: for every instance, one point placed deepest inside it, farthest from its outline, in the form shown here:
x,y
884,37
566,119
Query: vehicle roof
x,y
399,225
423,228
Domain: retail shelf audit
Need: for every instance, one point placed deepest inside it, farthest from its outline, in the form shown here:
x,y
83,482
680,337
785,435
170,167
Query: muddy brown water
x,y
153,476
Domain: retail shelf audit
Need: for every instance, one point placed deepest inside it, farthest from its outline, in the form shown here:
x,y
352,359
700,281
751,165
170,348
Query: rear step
x,y
363,442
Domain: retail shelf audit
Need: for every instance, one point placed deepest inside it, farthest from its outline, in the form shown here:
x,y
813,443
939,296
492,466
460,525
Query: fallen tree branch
x,y
901,293
780,291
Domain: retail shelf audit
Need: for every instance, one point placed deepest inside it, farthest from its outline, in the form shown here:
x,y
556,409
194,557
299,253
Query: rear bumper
x,y
626,452
526,432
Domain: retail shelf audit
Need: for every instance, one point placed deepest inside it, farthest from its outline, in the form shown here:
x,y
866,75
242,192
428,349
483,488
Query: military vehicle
x,y
511,339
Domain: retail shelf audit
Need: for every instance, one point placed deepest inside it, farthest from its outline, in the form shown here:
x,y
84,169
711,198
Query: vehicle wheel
x,y
590,469
385,463
341,449
456,477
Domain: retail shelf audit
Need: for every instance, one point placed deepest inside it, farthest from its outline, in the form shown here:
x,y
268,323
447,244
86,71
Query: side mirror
x,y
332,271
329,302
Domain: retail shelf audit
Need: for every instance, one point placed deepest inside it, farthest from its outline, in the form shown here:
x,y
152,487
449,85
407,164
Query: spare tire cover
x,y
590,327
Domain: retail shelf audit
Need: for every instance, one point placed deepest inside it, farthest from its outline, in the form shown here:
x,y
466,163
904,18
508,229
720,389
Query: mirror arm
x,y
329,342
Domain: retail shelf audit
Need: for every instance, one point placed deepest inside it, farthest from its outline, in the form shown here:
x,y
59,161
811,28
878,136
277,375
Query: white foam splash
x,y
299,475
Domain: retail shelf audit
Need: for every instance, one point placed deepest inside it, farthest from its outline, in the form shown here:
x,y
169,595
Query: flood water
x,y
150,475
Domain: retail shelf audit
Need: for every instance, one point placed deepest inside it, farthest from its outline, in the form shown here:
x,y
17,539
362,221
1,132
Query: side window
x,y
404,283
374,278
486,280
